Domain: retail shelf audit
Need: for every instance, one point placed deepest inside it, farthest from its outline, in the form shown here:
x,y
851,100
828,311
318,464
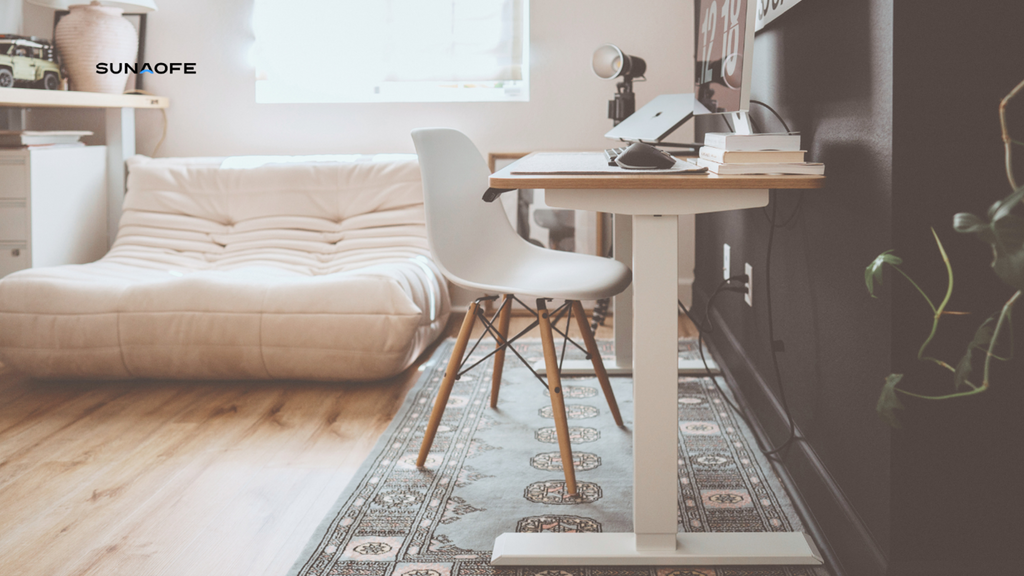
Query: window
x,y
391,50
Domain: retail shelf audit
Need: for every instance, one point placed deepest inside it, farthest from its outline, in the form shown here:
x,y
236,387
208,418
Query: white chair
x,y
476,247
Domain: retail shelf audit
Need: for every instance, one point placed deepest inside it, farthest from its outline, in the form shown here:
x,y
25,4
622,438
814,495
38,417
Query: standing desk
x,y
653,202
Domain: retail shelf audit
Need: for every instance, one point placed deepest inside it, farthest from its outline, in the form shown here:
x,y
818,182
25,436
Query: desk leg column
x,y
120,127
655,381
623,322
16,118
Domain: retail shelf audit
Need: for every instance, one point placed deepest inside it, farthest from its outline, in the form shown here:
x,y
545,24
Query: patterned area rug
x,y
494,471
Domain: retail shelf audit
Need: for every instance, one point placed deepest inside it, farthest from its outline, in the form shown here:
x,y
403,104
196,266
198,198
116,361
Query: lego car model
x,y
28,61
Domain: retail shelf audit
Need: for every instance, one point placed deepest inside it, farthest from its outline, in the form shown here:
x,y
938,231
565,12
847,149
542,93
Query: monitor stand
x,y
741,123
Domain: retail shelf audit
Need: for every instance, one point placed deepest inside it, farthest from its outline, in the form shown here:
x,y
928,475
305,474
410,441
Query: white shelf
x,y
119,110
31,98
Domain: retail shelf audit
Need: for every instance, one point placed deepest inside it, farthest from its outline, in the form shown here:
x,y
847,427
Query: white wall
x,y
214,113
10,17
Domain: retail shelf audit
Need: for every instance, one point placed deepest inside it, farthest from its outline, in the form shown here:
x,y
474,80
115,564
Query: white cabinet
x,y
53,206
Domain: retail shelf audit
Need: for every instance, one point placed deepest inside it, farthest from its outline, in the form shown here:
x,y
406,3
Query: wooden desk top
x,y
637,180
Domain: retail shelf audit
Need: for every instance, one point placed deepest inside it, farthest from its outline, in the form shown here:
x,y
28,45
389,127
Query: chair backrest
x,y
468,237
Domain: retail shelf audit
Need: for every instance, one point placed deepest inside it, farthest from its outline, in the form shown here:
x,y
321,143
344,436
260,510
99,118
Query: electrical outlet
x,y
749,296
726,269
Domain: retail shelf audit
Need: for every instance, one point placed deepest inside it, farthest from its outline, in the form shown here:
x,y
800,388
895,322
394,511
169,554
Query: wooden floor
x,y
180,478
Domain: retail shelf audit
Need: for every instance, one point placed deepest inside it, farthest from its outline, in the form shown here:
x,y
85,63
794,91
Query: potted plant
x,y
993,339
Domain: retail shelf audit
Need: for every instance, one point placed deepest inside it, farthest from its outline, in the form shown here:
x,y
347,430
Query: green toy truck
x,y
28,62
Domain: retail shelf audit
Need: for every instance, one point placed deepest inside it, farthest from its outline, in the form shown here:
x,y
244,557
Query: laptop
x,y
656,120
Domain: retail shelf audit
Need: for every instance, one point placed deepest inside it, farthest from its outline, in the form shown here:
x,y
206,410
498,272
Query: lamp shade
x,y
129,6
610,62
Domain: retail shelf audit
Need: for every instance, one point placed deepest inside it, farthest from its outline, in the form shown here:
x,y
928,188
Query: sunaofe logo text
x,y
145,68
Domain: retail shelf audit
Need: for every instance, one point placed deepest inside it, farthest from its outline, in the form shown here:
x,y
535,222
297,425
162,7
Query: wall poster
x,y
768,10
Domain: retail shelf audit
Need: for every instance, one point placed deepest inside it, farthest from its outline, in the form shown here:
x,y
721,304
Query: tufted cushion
x,y
251,267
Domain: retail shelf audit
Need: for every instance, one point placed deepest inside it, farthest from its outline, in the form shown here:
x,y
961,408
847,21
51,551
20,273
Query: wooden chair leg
x,y
557,401
595,359
504,316
445,390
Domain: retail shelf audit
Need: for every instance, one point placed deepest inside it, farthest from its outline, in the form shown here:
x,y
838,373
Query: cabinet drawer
x,y
13,224
13,178
13,258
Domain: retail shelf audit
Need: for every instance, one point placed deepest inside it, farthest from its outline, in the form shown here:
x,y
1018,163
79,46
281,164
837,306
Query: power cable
x,y
776,345
706,328
800,200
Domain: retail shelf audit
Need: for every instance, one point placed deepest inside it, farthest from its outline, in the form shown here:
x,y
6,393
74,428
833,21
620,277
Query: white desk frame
x,y
654,213
623,326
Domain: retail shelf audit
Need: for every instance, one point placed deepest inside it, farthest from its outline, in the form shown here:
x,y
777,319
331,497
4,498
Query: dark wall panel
x,y
826,67
952,63
899,99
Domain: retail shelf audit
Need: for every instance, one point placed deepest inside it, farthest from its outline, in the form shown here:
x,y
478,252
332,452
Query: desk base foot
x,y
619,549
585,368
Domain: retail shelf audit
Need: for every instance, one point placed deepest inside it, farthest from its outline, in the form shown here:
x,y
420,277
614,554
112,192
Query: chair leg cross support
x,y
504,316
545,320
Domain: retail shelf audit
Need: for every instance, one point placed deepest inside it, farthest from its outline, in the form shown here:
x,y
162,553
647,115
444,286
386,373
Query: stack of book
x,y
39,138
727,153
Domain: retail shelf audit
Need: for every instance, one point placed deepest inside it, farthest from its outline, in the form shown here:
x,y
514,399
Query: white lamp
x,y
94,33
610,62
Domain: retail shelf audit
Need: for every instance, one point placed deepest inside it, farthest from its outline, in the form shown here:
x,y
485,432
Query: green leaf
x,y
873,273
982,339
963,370
1005,233
1004,206
966,223
1009,250
889,402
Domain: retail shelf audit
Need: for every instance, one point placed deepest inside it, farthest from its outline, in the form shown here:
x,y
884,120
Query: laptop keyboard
x,y
612,153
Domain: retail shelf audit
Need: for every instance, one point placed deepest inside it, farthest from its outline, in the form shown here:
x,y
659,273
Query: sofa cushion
x,y
241,268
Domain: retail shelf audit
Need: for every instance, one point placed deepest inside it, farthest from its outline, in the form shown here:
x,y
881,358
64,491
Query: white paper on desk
x,y
586,163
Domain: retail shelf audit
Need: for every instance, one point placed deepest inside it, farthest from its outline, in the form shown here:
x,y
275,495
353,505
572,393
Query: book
x,y
40,137
38,146
787,141
751,157
763,168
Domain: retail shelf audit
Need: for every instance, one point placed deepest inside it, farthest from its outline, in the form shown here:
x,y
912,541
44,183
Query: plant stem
x,y
938,311
944,397
1003,316
1007,141
909,279
949,272
995,336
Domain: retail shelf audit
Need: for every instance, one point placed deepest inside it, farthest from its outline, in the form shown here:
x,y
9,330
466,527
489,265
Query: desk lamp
x,y
610,62
96,32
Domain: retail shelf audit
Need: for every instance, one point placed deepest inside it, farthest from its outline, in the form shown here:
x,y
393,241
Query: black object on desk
x,y
640,156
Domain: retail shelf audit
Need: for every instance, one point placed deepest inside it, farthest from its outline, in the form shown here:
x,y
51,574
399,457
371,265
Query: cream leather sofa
x,y
248,267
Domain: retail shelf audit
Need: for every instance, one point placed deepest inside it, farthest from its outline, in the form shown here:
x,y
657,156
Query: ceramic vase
x,y
91,34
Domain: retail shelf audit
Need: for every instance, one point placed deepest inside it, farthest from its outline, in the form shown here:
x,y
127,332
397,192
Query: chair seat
x,y
548,273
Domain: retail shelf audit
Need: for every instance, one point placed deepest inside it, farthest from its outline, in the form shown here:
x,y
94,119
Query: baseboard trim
x,y
846,542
